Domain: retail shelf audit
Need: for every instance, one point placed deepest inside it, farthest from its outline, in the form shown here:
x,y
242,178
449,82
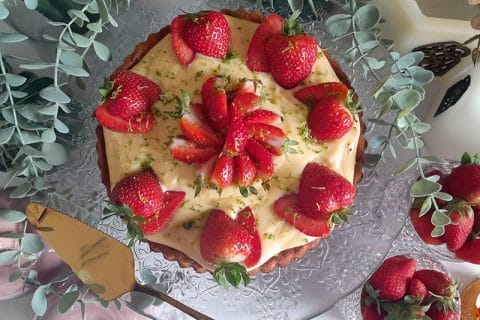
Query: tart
x,y
124,153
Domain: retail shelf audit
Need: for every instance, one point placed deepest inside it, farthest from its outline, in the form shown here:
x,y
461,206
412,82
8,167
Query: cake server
x,y
104,264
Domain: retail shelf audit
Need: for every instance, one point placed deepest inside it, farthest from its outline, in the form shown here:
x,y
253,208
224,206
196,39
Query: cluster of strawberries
x,y
462,233
396,290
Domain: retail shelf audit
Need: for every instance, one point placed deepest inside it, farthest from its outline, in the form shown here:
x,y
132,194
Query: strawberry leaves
x,y
231,273
134,231
182,107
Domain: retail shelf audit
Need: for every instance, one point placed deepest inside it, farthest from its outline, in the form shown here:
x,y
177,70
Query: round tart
x,y
124,153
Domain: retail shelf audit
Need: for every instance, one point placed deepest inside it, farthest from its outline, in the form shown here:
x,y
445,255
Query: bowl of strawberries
x,y
405,286
451,225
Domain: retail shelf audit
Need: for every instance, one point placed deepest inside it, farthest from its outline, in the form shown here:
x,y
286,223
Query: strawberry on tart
x,y
230,140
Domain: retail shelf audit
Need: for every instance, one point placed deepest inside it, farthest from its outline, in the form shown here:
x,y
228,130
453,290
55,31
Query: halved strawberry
x,y
288,208
263,158
247,219
214,99
198,132
313,94
272,137
245,169
140,123
236,135
172,201
256,58
199,111
263,116
329,119
184,53
189,152
246,102
223,173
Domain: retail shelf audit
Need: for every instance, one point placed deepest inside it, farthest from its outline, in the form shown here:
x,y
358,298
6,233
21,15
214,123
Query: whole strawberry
x,y
329,119
436,312
437,282
424,227
141,192
459,230
291,54
417,289
393,277
207,33
323,192
464,181
470,251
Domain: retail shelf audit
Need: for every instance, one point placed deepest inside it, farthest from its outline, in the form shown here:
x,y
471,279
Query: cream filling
x,y
126,153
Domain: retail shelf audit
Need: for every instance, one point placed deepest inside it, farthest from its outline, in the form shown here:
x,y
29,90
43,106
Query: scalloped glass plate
x,y
301,290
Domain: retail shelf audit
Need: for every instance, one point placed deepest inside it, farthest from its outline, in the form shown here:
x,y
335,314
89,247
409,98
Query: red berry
x,y
223,172
437,282
140,123
459,230
270,136
246,102
322,191
262,158
184,53
263,117
313,94
464,182
189,152
417,289
236,135
329,120
198,132
245,169
424,227
171,202
246,218
470,251
214,99
437,313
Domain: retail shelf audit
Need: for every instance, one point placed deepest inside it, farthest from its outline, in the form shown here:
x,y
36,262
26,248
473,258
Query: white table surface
x,y
19,308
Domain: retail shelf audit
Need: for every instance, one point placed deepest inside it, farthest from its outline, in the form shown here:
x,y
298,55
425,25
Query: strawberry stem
x,y
231,273
291,27
134,231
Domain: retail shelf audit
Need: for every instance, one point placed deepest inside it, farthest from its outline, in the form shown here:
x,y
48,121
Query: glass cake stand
x,y
303,289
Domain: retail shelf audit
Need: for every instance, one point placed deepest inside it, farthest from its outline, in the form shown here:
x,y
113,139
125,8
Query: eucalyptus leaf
x,y
3,11
36,66
60,126
15,275
39,300
296,5
21,190
12,37
405,166
407,99
367,17
30,138
7,257
11,216
14,80
71,58
426,206
67,301
440,218
56,153
339,24
31,4
102,51
95,27
49,136
438,231
6,134
443,196
81,41
32,243
54,94
147,276
74,71
424,188
78,14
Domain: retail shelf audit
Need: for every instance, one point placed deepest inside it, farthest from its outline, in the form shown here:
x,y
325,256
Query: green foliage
x,y
182,107
231,273
134,231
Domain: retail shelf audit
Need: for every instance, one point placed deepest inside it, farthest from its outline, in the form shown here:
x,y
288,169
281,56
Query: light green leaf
x,y
438,231
21,191
3,11
80,40
30,138
7,257
31,4
339,24
12,37
54,94
14,275
147,276
32,243
60,126
36,66
71,58
56,153
405,166
11,216
39,300
49,136
367,17
443,196
49,110
6,134
67,301
407,99
74,71
421,127
95,27
79,14
432,159
440,218
296,5
426,206
377,141
14,80
423,188
102,51
367,46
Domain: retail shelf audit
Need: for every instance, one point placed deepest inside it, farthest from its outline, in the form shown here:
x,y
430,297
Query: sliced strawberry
x,y
264,117
247,85
236,135
205,169
189,152
288,208
247,219
256,58
329,120
140,123
246,102
198,110
246,171
214,99
223,173
172,201
263,158
268,135
198,132
184,53
313,94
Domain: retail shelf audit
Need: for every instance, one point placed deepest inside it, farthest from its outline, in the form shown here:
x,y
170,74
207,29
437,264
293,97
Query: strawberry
x,y
458,231
270,136
171,202
329,120
464,182
288,208
236,135
189,152
224,240
246,218
424,227
392,277
417,289
256,58
442,181
246,85
214,99
245,169
140,123
184,53
246,102
262,157
130,95
223,172
141,192
470,251
198,110
437,282
323,192
370,312
264,117
207,33
476,223
198,132
436,312
313,94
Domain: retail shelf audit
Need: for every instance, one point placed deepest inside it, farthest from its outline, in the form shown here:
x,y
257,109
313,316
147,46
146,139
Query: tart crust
x,y
283,258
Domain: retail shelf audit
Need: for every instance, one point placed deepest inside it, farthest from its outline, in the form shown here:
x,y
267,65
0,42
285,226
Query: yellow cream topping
x,y
127,153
